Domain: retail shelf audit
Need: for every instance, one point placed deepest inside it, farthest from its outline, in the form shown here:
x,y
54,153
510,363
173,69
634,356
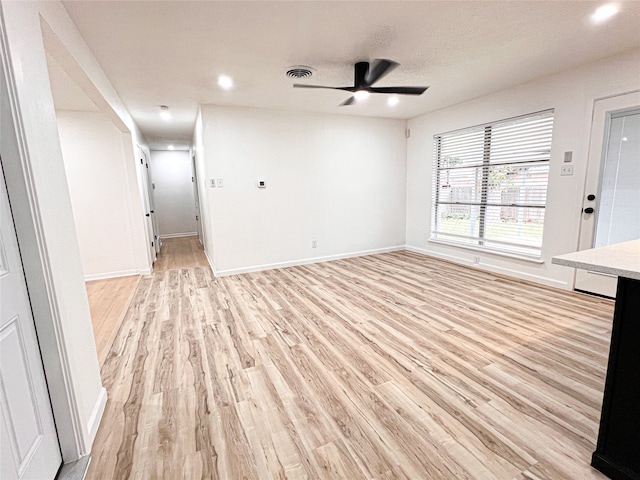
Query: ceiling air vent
x,y
299,71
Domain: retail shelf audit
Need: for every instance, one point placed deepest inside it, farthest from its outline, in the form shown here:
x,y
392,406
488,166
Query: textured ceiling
x,y
171,52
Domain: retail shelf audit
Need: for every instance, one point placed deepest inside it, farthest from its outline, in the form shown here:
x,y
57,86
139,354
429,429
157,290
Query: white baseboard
x,y
120,273
96,415
492,268
305,261
177,235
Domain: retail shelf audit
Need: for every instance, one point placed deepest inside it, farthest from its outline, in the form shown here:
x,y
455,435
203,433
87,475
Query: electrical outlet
x,y
314,243
219,182
212,182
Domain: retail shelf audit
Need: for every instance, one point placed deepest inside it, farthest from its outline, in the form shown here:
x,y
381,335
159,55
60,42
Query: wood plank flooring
x,y
180,252
108,302
392,366
110,298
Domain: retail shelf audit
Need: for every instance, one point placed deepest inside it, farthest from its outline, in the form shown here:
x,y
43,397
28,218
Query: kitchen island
x,y
617,453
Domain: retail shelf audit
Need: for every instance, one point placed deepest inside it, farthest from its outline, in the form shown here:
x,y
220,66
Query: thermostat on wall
x,y
262,184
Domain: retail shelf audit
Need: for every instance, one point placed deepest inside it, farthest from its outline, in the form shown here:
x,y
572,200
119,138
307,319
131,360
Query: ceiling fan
x,y
365,75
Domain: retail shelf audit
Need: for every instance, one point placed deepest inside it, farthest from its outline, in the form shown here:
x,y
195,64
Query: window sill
x,y
489,251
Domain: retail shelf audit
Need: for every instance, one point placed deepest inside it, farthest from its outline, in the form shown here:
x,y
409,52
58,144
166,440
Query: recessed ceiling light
x,y
605,12
393,101
164,112
170,147
225,82
361,95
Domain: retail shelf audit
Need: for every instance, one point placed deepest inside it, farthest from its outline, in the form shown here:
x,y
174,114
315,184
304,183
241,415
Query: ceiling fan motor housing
x,y
359,75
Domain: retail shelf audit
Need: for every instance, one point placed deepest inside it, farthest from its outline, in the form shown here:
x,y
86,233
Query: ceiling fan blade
x,y
304,85
378,69
399,90
348,101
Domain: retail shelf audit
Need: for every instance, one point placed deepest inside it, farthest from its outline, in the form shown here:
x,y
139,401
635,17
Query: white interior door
x,y
196,197
153,242
29,444
611,207
157,242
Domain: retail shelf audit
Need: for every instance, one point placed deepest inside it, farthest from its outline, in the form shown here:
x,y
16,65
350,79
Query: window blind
x,y
490,184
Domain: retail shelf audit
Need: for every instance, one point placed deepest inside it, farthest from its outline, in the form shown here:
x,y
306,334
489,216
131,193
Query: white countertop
x,y
621,259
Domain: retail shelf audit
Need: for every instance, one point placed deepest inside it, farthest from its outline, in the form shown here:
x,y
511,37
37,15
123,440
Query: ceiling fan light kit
x,y
364,76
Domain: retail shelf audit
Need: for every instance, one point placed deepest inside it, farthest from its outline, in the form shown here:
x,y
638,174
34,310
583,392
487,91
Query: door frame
x,y
601,113
39,270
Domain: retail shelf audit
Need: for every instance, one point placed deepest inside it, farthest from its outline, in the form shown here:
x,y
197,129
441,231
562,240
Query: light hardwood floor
x,y
110,298
180,252
391,366
108,302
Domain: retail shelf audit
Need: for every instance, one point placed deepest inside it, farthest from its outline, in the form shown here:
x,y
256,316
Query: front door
x,y
611,207
29,443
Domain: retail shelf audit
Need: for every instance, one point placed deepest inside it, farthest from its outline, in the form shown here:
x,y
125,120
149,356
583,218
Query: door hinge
x,y
152,244
146,165
141,162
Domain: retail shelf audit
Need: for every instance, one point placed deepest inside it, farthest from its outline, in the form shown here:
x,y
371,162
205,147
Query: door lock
x,y
587,210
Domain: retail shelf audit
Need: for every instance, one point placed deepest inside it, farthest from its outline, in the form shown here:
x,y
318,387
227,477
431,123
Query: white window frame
x,y
538,158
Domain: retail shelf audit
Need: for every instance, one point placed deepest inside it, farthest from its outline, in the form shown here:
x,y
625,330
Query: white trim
x,y
176,235
44,300
306,261
492,268
490,251
96,415
121,273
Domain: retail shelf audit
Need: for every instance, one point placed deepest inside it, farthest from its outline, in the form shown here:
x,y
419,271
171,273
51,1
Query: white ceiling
x,y
171,52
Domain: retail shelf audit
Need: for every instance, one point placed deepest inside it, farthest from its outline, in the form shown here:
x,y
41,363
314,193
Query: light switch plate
x,y
566,170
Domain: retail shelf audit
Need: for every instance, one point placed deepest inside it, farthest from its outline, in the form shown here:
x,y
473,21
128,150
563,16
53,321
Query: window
x,y
490,185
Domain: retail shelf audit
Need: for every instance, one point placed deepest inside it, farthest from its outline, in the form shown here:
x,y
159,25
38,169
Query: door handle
x,y
146,215
588,210
591,197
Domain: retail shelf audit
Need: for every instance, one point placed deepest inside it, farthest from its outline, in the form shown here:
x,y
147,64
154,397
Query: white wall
x,y
101,187
66,46
571,94
173,196
336,179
